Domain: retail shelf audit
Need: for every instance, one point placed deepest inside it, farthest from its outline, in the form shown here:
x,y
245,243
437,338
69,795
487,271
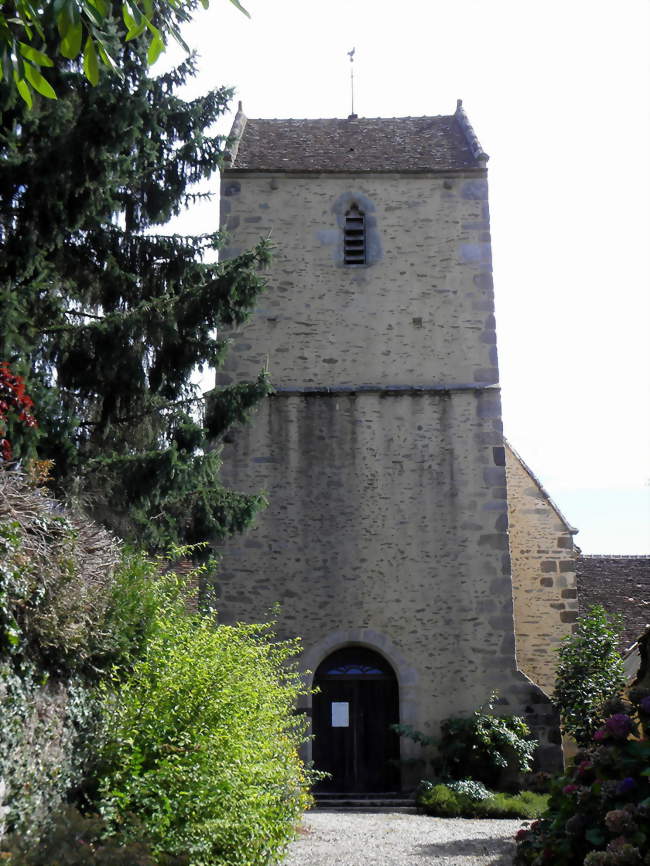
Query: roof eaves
x,y
464,170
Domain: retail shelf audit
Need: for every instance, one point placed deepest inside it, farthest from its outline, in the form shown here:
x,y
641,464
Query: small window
x,y
354,237
353,670
354,662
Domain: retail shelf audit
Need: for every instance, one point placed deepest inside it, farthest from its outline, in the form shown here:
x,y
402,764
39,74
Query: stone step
x,y
326,804
359,802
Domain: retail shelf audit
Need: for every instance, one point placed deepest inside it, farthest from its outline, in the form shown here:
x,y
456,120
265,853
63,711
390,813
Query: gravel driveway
x,y
385,838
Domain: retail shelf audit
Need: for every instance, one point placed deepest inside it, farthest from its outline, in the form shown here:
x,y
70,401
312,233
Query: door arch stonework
x,y
354,707
405,674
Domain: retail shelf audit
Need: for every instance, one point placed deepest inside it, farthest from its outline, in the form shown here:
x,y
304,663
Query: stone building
x,y
386,539
544,558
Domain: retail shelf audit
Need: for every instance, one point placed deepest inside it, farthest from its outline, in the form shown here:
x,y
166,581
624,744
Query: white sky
x,y
558,93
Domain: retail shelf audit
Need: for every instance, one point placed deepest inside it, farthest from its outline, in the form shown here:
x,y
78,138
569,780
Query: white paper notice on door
x,y
340,714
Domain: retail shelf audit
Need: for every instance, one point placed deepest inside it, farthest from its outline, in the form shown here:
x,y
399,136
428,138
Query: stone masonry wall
x,y
382,452
543,573
420,314
386,526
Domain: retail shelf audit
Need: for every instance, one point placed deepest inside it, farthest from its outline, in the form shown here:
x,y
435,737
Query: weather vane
x,y
351,56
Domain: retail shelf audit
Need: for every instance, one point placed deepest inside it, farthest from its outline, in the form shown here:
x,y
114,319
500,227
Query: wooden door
x,y
356,704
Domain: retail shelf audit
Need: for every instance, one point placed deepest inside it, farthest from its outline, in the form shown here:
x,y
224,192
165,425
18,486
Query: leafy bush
x,y
56,574
452,801
79,840
479,747
56,581
116,692
470,788
47,737
201,742
599,812
525,804
484,744
589,672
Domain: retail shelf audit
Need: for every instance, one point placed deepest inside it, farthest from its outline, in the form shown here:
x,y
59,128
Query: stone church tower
x,y
386,538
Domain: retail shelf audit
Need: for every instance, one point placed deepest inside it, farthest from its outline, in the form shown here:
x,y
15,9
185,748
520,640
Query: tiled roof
x,y
622,585
443,143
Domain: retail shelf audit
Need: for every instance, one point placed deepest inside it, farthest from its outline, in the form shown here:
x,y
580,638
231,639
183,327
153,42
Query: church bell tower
x,y
385,541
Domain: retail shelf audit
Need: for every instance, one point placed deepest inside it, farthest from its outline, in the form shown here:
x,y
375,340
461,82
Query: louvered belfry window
x,y
354,237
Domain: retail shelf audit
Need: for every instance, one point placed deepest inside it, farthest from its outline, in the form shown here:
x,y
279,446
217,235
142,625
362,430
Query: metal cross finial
x,y
351,56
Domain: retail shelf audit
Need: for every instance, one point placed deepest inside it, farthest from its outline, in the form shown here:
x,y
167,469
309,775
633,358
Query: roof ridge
x,y
614,556
348,119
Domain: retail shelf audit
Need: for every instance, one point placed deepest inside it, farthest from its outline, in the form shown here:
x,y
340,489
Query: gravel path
x,y
329,838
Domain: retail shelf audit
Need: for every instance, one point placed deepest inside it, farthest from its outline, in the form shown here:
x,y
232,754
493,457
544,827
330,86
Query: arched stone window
x,y
354,236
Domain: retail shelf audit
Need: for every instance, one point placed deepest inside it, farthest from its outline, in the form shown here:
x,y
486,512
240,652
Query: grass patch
x,y
442,801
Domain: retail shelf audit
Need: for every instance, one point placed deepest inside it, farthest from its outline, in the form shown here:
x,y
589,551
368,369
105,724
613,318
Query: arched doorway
x,y
356,703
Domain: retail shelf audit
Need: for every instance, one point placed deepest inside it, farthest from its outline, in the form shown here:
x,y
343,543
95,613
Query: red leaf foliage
x,y
13,399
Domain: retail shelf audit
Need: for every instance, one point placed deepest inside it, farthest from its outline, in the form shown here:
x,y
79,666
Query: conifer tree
x,y
105,315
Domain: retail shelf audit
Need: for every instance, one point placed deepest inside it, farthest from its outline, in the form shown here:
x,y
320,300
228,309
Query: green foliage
x,y
141,585
83,29
56,582
480,746
599,812
469,788
483,744
416,736
72,607
468,799
525,804
76,840
116,689
105,316
46,740
201,743
589,673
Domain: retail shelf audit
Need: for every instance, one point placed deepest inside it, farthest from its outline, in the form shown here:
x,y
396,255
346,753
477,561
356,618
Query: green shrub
x,y
440,800
589,672
115,692
484,744
47,736
79,840
525,804
202,741
452,801
56,574
470,788
73,601
599,812
480,747
56,580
